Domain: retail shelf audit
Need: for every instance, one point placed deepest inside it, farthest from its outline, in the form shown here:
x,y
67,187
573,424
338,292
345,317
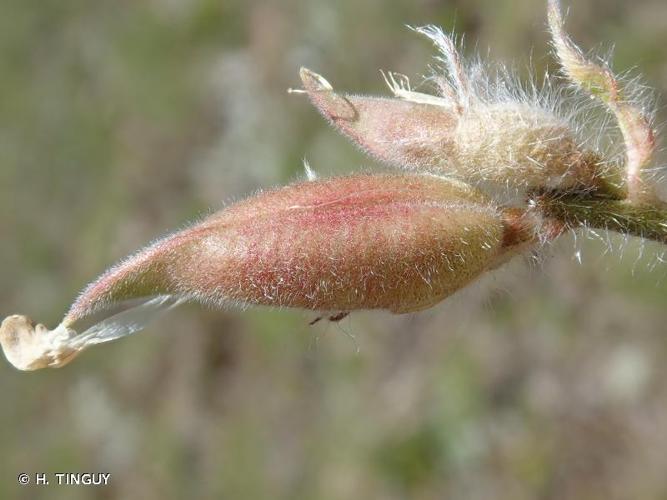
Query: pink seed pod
x,y
395,242
475,130
400,243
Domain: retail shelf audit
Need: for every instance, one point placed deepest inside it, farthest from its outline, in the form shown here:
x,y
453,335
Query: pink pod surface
x,y
401,133
512,143
395,242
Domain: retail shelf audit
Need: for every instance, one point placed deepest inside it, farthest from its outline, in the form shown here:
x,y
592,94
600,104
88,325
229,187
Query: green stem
x,y
623,216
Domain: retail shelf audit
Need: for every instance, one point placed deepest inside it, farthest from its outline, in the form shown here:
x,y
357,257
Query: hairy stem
x,y
648,220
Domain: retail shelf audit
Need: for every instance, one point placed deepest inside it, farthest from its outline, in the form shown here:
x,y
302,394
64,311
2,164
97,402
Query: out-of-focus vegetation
x,y
122,120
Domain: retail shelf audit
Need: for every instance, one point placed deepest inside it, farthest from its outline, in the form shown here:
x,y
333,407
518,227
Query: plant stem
x,y
646,220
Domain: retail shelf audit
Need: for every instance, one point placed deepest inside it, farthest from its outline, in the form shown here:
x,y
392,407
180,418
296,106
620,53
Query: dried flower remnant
x,y
31,347
395,242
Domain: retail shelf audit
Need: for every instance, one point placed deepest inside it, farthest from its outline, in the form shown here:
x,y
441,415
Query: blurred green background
x,y
121,120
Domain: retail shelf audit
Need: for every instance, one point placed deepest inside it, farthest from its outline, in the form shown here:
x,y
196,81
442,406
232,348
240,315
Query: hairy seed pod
x,y
400,243
395,242
508,142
